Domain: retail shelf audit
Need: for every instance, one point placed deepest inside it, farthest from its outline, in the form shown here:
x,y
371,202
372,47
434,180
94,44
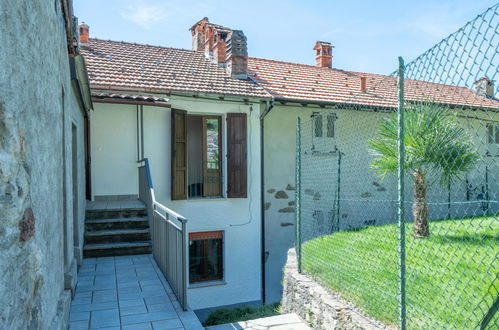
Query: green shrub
x,y
244,313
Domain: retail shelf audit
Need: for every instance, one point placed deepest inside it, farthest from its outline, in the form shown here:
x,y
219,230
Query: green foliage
x,y
433,140
448,274
230,315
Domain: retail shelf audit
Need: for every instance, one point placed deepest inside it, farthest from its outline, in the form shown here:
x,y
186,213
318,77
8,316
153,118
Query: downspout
x,y
268,106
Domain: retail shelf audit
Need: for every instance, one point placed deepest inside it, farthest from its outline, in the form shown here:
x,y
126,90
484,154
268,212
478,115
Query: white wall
x,y
239,217
114,149
366,199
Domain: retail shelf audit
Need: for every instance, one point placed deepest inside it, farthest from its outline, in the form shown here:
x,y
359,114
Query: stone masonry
x,y
37,108
320,307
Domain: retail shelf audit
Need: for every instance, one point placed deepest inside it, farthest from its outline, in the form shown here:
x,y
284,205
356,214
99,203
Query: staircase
x,y
116,229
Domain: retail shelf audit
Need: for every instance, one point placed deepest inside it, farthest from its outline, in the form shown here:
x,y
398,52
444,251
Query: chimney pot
x,y
485,87
323,54
84,33
363,83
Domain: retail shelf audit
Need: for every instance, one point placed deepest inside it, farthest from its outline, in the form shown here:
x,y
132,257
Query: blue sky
x,y
367,35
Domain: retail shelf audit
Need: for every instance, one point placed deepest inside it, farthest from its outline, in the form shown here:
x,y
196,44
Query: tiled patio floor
x,y
127,292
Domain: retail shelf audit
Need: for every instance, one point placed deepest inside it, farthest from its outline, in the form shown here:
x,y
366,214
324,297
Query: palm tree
x,y
434,144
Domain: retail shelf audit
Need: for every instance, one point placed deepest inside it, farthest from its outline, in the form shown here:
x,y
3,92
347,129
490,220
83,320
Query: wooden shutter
x,y
237,180
179,154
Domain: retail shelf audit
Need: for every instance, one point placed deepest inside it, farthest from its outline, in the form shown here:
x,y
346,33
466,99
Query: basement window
x,y
206,256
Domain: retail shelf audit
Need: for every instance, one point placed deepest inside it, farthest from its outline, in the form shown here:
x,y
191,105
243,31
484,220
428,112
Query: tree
x,y
435,144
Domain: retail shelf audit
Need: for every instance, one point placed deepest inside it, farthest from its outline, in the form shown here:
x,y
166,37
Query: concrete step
x,y
117,223
117,235
116,249
285,321
116,213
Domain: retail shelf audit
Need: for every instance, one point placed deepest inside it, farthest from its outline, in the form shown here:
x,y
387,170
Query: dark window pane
x,y
318,125
330,125
205,260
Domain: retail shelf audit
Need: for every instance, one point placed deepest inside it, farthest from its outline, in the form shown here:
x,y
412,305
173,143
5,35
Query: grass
x,y
452,276
230,315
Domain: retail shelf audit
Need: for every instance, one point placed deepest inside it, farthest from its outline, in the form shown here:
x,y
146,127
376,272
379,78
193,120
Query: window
x,y
197,158
493,139
318,124
205,256
204,143
493,133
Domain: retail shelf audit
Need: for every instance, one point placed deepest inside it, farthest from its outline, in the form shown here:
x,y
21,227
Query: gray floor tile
x,y
78,325
193,325
79,316
94,307
103,296
105,318
156,300
132,310
147,317
131,302
166,307
167,324
138,326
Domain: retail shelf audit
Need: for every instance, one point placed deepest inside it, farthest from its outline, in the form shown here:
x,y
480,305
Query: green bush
x,y
230,315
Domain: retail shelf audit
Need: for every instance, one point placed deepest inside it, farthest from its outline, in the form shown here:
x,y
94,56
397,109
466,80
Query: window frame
x,y
221,257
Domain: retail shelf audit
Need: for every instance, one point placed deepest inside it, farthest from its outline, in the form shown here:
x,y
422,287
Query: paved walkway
x,y
278,322
128,292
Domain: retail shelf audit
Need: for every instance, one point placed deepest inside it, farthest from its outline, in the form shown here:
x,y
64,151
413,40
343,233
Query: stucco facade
x,y
41,153
366,199
114,172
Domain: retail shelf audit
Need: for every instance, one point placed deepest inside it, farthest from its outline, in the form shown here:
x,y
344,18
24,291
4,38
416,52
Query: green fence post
x,y
298,193
402,311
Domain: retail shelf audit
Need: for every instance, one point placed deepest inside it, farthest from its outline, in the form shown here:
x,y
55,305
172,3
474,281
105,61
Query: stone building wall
x,y
320,307
37,107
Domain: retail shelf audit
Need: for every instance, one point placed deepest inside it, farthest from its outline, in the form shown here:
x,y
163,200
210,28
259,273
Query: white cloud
x,y
145,16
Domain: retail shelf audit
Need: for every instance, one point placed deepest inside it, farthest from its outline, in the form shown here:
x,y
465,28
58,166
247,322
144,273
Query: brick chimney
x,y
84,28
237,55
323,54
363,83
198,34
485,87
220,48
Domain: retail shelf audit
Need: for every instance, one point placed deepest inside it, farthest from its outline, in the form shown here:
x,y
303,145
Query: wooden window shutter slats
x,y
179,154
237,178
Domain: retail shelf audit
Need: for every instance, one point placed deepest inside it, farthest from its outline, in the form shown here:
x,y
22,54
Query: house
x,y
44,104
341,110
204,88
199,127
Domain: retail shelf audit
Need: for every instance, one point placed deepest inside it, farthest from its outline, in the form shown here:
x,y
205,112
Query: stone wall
x,y
37,110
320,307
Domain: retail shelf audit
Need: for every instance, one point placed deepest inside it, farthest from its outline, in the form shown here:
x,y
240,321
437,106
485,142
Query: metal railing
x,y
169,236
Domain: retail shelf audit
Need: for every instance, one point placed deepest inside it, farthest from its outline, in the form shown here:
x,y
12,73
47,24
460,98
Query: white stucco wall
x,y
239,218
114,150
366,199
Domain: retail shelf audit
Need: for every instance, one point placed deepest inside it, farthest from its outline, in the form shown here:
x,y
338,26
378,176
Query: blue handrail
x,y
148,173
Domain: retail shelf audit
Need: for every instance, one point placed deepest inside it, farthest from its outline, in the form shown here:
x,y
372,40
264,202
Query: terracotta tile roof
x,y
300,82
136,67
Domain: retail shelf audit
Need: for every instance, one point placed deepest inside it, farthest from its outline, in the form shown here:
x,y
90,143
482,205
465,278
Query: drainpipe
x,y
268,106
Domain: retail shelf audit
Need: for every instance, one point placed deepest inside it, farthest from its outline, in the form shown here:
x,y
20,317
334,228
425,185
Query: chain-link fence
x,y
413,241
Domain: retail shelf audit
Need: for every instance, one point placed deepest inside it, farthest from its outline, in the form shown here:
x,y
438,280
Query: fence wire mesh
x,y
347,188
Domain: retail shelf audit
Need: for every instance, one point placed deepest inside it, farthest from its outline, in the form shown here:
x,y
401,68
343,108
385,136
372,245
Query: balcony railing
x,y
169,236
